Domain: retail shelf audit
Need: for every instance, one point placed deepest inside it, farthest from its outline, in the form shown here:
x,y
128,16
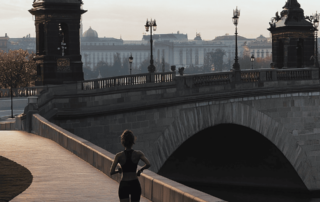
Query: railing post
x,y
315,73
96,84
263,75
173,75
274,75
152,77
79,85
237,76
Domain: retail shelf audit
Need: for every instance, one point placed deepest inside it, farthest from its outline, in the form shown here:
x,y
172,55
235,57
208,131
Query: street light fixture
x,y
315,20
316,25
151,24
235,19
11,89
130,61
252,60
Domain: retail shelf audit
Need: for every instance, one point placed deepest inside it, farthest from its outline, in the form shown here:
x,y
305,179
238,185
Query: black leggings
x,y
130,187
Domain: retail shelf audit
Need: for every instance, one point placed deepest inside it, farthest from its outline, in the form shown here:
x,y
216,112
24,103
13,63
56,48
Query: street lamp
x,y
252,60
11,89
130,61
315,20
235,19
151,24
316,25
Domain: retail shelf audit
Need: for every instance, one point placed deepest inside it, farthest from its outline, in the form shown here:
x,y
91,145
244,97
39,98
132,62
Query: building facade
x,y
25,43
261,47
4,43
175,49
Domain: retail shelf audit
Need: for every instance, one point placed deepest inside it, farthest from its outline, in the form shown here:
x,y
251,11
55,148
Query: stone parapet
x,y
154,187
7,125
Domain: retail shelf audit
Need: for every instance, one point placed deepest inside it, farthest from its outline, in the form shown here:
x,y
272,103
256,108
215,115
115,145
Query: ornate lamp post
x,y
130,61
13,61
252,60
315,20
235,19
151,24
316,25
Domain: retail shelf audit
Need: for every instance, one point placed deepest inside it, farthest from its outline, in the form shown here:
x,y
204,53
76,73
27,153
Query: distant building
x,y
25,43
261,47
175,48
4,43
95,49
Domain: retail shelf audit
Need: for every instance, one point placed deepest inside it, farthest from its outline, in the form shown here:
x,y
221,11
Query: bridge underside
x,y
231,156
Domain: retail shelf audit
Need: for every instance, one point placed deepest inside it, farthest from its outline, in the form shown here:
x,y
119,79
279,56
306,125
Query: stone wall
x,y
154,187
290,121
7,125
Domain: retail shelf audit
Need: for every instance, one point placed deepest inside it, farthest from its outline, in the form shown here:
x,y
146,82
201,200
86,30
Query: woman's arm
x,y
114,164
115,172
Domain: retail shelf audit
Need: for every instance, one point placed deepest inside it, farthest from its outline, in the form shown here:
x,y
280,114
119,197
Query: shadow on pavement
x,y
14,179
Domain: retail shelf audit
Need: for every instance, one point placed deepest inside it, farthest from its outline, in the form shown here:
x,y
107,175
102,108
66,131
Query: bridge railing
x,y
294,74
128,80
22,92
250,76
219,78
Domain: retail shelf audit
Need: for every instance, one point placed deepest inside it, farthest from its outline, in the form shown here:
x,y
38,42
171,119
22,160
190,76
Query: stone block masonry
x,y
7,125
160,131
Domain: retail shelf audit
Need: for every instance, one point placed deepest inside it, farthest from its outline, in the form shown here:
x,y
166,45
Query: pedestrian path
x,y
58,175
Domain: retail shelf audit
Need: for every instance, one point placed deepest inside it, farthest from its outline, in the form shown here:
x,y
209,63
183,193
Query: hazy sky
x,y
112,18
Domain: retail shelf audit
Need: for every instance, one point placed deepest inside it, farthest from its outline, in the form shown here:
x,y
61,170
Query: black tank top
x,y
129,166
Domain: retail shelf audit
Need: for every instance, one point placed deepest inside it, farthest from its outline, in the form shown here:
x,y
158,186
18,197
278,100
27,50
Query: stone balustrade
x,y
154,90
128,80
252,76
153,186
22,92
195,80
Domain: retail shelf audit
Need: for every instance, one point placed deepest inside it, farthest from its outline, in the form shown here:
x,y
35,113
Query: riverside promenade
x,y
58,175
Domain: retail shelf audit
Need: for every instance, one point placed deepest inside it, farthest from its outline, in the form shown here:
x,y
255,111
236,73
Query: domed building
x,y
90,33
95,49
261,38
198,37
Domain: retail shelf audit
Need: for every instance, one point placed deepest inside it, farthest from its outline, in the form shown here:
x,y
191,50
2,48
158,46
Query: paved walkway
x,y
58,175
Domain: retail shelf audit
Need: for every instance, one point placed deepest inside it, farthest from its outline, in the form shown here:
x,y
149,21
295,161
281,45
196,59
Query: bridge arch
x,y
191,120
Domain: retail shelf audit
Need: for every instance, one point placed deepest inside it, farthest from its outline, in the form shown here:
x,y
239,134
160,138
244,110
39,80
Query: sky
x,y
126,18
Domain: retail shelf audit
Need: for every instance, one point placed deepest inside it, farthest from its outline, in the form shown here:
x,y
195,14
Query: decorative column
x,y
58,56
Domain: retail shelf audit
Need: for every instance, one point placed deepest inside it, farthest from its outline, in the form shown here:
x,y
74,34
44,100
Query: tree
x,y
104,69
125,69
216,58
207,63
164,66
145,64
17,68
115,69
245,62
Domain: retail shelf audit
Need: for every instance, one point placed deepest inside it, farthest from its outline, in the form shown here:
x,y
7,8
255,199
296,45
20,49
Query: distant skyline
x,y
112,18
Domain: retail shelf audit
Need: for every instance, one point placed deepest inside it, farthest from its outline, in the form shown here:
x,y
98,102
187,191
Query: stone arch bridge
x,y
164,111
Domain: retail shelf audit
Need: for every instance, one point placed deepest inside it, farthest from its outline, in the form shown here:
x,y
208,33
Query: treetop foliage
x,y
17,68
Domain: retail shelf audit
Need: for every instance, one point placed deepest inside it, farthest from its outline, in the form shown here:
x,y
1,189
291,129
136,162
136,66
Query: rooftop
x,y
229,37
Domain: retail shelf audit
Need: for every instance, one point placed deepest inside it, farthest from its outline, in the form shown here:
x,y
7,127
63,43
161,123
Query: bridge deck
x,y
58,175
